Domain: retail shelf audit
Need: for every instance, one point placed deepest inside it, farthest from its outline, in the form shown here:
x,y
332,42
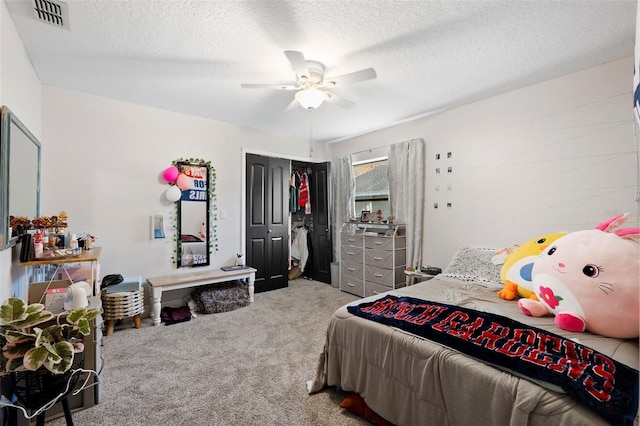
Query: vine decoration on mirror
x,y
213,207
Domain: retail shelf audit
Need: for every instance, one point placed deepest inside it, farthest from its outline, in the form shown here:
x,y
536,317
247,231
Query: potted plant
x,y
40,358
28,347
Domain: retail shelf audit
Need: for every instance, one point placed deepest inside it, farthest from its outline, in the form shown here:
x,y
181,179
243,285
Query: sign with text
x,y
197,190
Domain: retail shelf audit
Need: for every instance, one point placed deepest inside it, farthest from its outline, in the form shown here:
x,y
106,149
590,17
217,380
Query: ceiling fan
x,y
312,85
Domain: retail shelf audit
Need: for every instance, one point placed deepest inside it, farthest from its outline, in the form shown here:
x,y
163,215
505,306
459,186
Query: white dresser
x,y
372,258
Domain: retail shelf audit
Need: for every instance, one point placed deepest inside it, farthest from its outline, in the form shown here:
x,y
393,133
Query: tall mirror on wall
x,y
19,178
193,219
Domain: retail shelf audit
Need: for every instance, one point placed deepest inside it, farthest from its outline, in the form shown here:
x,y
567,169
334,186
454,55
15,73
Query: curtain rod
x,y
369,149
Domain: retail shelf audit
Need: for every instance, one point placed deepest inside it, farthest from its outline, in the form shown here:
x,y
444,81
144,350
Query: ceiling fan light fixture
x,y
311,98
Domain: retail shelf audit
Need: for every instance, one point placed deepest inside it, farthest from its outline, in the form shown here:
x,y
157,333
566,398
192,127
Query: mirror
x,y
19,177
193,219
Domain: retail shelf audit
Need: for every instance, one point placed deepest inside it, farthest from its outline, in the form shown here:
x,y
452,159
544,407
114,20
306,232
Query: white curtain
x,y
406,193
636,74
344,197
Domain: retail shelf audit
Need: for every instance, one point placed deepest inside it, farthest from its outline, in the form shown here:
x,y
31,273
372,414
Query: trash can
x,y
335,277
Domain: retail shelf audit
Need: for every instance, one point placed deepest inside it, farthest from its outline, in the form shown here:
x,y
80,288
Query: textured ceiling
x,y
192,56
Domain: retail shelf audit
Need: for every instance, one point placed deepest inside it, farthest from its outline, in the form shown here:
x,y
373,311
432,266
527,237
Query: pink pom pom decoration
x,y
170,174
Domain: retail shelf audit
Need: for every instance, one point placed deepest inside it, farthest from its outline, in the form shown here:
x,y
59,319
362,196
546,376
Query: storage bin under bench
x,y
194,279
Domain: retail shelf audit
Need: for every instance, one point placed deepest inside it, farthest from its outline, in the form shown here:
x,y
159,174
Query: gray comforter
x,y
412,381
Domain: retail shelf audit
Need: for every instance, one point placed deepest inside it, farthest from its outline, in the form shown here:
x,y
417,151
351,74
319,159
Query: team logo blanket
x,y
606,386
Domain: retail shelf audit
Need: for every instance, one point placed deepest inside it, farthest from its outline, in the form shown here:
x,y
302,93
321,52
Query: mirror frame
x,y
186,194
8,123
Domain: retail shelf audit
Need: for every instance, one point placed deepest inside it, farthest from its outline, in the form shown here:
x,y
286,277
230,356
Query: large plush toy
x,y
589,279
515,273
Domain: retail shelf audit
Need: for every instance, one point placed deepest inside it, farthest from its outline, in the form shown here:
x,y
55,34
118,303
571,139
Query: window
x,y
372,187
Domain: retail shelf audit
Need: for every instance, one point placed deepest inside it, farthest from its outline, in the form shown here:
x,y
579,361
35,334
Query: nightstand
x,y
414,277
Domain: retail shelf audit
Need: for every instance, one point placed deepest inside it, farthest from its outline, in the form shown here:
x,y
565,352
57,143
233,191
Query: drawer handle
x,y
377,258
351,285
378,275
351,269
378,243
351,239
350,253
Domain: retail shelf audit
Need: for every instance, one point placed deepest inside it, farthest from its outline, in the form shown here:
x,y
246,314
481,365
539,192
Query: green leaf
x,y
16,313
83,326
34,318
35,358
50,334
34,308
65,360
11,310
14,335
75,315
92,314
15,365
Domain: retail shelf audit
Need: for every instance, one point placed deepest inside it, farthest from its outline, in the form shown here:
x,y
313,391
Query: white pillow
x,y
474,264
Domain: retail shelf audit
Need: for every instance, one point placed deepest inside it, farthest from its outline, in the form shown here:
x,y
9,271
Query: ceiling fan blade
x,y
341,102
298,63
270,86
353,77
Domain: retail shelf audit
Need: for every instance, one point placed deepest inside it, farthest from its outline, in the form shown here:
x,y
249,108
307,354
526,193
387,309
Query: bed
x,y
194,250
412,380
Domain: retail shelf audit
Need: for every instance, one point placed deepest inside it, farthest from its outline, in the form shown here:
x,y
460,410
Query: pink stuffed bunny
x,y
589,279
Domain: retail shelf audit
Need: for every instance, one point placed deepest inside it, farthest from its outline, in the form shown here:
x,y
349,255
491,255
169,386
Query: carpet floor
x,y
244,367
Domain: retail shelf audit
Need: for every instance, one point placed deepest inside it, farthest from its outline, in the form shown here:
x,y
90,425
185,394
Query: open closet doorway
x,y
270,217
315,220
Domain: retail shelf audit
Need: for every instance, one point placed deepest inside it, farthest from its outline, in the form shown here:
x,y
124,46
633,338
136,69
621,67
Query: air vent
x,y
52,12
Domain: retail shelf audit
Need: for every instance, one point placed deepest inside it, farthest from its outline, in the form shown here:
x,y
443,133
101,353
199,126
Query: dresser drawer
x,y
372,289
352,285
351,239
384,243
351,268
351,253
387,277
385,259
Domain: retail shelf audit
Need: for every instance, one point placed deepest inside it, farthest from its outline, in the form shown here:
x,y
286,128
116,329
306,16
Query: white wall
x,y
20,91
559,155
102,164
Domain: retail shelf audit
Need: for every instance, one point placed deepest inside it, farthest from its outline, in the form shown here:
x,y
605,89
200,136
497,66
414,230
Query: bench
x,y
194,279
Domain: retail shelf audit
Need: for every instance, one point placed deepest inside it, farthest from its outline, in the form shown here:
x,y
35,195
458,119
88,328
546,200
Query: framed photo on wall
x,y
365,216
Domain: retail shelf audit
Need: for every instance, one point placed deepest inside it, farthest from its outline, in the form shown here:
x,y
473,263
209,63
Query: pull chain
x,y
310,133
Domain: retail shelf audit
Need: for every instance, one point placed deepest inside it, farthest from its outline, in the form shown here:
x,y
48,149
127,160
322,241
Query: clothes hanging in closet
x,y
299,190
300,247
304,193
294,183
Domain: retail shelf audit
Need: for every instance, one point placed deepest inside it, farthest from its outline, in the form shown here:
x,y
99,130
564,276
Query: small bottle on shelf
x,y
38,246
73,244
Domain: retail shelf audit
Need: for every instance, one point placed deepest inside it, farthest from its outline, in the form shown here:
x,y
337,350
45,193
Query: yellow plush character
x,y
516,270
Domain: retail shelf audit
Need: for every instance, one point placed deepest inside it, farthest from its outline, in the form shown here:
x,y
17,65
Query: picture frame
x,y
365,216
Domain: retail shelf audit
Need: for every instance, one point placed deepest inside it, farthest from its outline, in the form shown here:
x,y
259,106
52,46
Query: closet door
x,y
267,220
320,210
